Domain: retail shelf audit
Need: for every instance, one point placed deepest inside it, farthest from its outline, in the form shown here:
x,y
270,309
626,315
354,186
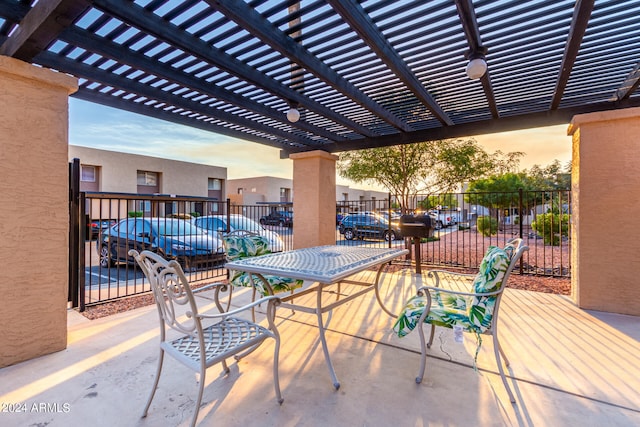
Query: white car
x,y
218,223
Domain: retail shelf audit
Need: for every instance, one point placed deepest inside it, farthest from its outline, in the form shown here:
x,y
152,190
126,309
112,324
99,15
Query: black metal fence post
x,y
74,231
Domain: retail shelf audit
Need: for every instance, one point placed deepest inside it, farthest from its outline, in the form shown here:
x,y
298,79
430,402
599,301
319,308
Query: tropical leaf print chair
x,y
475,308
201,340
241,244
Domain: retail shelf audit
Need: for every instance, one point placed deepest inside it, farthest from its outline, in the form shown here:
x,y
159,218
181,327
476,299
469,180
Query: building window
x,y
215,184
345,197
87,173
148,178
240,190
285,194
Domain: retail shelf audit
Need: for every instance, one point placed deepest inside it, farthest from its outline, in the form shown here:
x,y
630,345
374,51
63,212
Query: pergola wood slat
x,y
365,73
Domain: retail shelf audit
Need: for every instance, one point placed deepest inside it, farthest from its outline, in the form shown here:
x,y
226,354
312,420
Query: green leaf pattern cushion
x,y
474,314
239,247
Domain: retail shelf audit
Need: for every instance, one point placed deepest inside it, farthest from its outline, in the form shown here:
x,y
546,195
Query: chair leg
x,y
276,375
253,309
155,383
497,350
423,353
199,399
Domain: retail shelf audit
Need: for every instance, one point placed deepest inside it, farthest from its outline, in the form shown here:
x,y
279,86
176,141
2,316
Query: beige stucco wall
x,y
268,187
118,172
34,213
354,194
314,184
606,201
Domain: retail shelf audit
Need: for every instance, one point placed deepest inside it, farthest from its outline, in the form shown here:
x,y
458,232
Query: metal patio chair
x,y
239,244
201,345
474,309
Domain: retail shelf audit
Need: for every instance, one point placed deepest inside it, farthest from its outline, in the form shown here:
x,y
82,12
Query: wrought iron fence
x,y
183,228
465,225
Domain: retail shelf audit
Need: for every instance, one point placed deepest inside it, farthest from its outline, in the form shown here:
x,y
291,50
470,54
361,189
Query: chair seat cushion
x,y
239,247
446,310
278,284
473,313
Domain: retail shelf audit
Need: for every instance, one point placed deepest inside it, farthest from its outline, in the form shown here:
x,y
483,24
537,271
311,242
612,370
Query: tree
x,y
551,177
400,168
431,202
426,167
498,191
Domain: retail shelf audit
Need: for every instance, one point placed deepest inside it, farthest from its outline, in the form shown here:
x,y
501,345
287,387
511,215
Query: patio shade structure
x,y
361,74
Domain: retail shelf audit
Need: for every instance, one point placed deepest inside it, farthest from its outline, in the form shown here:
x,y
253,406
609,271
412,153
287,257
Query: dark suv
x,y
368,226
281,218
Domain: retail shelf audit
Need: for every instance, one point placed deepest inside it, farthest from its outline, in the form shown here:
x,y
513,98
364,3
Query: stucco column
x,y
34,213
314,199
605,272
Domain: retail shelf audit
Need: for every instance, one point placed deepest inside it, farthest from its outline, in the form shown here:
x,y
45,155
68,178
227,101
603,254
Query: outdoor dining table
x,y
325,266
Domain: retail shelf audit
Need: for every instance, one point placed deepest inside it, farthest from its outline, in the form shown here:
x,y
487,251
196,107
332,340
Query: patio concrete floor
x,y
568,367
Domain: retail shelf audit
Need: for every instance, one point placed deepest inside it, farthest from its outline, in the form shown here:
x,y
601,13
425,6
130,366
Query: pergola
x,y
361,74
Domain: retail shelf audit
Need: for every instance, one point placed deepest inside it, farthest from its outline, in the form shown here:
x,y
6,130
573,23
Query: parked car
x,y
171,238
280,218
368,226
443,218
96,226
218,223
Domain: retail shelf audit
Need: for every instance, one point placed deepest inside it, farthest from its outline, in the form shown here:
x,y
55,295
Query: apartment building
x,y
115,172
279,191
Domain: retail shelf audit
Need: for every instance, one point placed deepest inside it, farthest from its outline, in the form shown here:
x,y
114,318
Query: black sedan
x,y
169,237
363,226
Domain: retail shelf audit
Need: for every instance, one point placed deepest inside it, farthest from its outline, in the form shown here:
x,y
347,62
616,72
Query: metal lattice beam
x,y
254,23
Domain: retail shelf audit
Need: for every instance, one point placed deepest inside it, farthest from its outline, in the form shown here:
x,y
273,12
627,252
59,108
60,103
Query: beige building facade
x,y
269,189
116,172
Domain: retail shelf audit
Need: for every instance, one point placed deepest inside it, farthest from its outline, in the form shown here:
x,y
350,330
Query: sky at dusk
x,y
97,126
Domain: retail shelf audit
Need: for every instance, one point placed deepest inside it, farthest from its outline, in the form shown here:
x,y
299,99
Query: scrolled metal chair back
x,y
171,291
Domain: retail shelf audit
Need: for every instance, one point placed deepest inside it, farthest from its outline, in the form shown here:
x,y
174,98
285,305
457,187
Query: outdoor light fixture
x,y
293,115
476,68
477,65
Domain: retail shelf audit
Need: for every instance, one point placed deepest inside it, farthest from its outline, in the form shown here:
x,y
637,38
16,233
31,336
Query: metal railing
x,y
466,224
112,224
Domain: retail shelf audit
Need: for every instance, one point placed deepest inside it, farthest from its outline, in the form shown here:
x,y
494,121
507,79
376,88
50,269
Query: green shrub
x,y
487,225
195,214
135,214
551,226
